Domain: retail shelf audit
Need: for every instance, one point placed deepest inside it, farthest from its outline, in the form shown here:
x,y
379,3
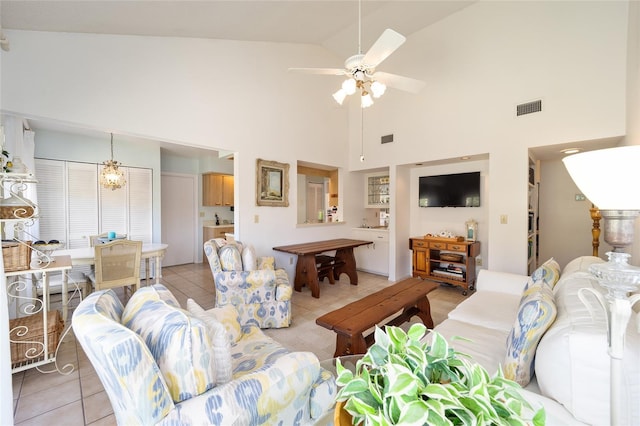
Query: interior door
x,y
315,202
179,217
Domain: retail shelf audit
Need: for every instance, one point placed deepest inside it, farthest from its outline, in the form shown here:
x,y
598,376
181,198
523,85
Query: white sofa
x,y
571,361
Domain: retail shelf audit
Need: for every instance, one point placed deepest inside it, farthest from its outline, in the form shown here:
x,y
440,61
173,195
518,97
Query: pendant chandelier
x,y
111,176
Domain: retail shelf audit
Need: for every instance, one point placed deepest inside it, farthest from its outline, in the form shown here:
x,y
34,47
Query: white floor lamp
x,y
609,179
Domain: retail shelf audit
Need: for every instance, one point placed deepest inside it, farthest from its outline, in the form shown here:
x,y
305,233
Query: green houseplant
x,y
402,381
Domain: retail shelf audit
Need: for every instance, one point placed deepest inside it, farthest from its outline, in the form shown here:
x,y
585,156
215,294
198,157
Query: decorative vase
x,y
340,416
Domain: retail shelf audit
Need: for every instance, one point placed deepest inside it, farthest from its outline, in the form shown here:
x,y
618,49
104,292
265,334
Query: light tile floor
x,y
78,398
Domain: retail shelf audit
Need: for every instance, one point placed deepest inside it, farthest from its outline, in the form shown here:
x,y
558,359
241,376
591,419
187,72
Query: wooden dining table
x,y
306,269
85,256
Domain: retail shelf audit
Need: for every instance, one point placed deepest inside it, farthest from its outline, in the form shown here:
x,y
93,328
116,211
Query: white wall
x,y
433,220
236,96
478,65
565,224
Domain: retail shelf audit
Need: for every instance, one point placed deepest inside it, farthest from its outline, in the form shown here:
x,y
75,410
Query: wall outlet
x,y
580,197
504,219
290,260
479,261
256,218
201,214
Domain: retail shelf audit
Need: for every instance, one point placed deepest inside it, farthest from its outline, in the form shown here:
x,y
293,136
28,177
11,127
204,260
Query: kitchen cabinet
x,y
217,231
445,260
376,190
217,190
374,257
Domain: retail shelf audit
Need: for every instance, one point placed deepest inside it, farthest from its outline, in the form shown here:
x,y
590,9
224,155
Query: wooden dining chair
x,y
94,239
117,264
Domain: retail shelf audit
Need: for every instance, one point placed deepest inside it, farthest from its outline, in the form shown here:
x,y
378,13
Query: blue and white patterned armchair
x,y
157,367
260,292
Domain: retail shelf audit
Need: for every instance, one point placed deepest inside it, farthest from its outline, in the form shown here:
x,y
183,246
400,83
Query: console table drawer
x,y
457,247
436,245
419,243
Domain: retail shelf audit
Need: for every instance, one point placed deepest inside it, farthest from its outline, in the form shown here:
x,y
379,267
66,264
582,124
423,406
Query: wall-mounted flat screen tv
x,y
454,190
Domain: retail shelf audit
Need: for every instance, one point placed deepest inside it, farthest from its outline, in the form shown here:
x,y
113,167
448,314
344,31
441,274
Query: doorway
x,y
315,202
179,217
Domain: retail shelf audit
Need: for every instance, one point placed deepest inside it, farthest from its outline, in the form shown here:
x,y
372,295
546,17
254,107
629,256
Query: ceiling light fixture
x,y
568,151
111,176
360,75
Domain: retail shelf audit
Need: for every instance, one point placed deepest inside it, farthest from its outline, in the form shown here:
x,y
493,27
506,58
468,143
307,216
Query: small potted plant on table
x,y
403,381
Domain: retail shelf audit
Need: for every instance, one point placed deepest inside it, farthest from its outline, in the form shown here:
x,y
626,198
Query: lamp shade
x,y
608,177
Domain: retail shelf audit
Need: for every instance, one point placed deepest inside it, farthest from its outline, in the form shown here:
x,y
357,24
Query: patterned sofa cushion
x,y
220,340
178,341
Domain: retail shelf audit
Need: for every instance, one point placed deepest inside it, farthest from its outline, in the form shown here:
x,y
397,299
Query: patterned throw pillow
x,y
230,258
266,262
249,258
229,317
536,313
220,341
179,343
548,272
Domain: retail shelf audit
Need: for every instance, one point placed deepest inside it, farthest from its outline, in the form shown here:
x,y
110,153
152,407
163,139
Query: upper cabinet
x,y
217,190
376,190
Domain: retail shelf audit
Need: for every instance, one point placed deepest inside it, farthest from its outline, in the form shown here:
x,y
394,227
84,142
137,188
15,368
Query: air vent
x,y
386,139
529,107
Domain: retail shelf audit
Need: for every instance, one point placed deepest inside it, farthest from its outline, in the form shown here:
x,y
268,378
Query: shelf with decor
x,y
35,330
447,260
377,190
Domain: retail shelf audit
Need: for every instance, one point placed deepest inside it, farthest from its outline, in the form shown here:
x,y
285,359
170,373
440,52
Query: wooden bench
x,y
351,321
325,265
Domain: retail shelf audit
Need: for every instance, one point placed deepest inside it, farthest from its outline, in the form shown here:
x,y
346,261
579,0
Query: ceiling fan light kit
x,y
361,73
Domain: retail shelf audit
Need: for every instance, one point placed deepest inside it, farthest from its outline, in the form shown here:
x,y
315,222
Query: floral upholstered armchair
x,y
260,292
161,364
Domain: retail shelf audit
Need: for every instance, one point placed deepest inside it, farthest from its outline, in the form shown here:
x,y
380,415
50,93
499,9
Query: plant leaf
x,y
439,346
414,413
417,331
354,387
381,338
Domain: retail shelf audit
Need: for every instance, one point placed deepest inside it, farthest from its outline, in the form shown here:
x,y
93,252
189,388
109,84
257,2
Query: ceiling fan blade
x,y
399,82
383,47
324,71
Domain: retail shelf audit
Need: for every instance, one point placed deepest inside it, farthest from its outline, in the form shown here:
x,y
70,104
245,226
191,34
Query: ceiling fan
x,y
361,73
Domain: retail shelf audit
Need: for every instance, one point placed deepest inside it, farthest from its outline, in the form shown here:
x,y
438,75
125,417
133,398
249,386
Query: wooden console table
x,y
435,259
352,320
306,270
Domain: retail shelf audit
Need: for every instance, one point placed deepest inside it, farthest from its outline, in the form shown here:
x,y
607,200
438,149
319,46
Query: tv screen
x,y
455,190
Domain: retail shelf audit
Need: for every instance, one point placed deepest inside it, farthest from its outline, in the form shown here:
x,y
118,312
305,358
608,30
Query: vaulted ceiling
x,y
330,23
